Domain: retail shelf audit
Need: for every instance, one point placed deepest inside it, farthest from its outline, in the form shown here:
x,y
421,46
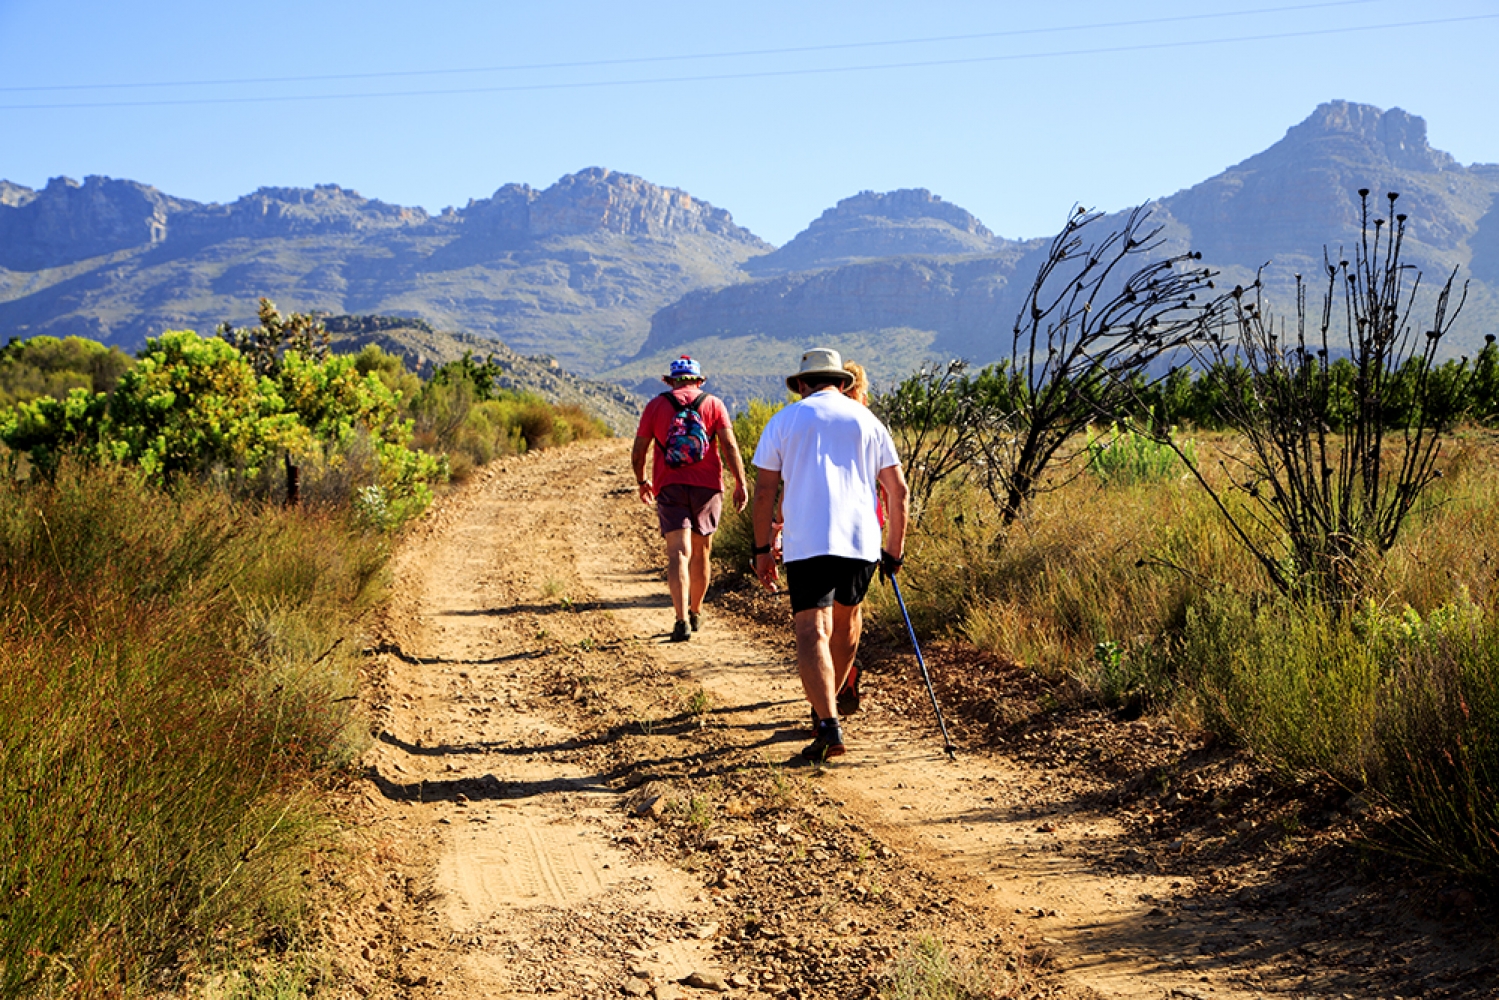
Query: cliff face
x,y
67,221
1301,193
597,200
869,225
324,210
962,299
574,271
14,195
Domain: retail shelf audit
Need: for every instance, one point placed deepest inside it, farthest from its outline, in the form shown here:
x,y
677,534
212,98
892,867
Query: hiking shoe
x,y
827,744
680,633
694,619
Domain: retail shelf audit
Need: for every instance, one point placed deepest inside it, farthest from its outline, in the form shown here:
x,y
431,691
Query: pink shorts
x,y
681,506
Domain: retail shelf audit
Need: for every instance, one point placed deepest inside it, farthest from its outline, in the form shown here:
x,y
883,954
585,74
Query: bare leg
x,y
814,660
848,626
678,555
702,570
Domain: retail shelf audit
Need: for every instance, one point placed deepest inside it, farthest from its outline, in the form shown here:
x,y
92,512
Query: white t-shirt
x,y
829,451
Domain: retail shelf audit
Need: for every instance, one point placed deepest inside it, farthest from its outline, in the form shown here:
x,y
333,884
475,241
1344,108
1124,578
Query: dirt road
x,y
561,803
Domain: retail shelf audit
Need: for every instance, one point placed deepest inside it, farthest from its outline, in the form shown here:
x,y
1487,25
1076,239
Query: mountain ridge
x,y
1276,209
574,270
612,275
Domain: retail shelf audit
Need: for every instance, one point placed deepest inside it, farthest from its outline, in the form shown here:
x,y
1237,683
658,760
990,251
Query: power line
x,y
638,60
752,75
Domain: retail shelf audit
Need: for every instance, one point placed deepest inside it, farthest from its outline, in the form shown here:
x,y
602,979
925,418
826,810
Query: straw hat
x,y
820,361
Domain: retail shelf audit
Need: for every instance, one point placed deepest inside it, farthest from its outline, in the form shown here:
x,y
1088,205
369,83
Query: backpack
x,y
687,436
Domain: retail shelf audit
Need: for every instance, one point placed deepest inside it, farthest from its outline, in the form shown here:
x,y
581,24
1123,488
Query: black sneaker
x,y
828,743
680,632
694,619
848,696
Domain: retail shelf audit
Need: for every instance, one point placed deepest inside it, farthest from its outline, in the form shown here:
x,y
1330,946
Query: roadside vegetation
x,y
182,641
1276,529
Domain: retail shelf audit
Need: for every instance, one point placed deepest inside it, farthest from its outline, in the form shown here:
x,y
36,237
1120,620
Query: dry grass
x,y
1141,597
172,689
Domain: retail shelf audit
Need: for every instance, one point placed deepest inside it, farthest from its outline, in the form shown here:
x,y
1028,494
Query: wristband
x,y
645,482
761,550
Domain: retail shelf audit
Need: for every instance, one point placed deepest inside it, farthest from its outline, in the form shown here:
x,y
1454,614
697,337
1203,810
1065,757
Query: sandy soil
x,y
559,802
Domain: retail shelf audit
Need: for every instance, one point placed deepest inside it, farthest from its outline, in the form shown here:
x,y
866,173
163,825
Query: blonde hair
x,y
858,389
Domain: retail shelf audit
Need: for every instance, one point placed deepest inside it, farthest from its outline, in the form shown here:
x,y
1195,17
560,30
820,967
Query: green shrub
x,y
735,537
1126,457
47,366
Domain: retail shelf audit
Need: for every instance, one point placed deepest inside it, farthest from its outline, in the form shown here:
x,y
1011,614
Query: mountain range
x,y
611,276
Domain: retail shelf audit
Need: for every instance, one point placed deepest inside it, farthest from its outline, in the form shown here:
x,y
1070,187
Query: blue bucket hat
x,y
685,367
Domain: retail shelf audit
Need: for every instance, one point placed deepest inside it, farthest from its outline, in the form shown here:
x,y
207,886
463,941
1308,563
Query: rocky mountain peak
x,y
15,195
284,211
870,225
68,221
598,200
1396,136
905,204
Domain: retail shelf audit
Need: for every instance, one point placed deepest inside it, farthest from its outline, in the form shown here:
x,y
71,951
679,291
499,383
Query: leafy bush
x,y
735,537
1126,457
47,366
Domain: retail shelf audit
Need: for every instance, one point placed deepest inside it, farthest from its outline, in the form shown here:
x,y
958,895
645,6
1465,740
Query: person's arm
x,y
767,485
728,449
893,478
638,455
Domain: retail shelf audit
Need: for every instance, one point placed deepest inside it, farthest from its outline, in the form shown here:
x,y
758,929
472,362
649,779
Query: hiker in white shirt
x,y
829,453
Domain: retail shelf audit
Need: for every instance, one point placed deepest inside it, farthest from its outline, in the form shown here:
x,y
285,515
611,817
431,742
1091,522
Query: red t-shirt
x,y
655,423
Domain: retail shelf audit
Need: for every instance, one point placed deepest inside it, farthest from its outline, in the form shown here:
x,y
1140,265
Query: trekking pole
x,y
946,742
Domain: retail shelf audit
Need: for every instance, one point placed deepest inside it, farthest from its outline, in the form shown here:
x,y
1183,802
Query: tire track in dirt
x,y
513,826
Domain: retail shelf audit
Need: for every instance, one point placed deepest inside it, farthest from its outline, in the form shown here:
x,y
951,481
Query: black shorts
x,y
821,580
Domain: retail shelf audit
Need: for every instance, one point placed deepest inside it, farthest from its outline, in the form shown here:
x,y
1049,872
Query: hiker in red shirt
x,y
686,482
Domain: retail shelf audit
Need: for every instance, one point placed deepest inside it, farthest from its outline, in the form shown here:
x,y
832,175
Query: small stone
x,y
636,988
706,981
704,931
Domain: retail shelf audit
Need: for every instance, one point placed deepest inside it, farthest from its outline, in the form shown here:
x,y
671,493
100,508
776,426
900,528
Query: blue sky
x,y
772,110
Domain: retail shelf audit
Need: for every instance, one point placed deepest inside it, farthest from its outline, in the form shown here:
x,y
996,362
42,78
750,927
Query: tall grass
x,y
170,689
1138,592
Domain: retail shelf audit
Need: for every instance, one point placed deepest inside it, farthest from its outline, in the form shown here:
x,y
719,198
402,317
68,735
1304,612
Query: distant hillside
x,y
613,276
898,278
870,225
574,271
423,348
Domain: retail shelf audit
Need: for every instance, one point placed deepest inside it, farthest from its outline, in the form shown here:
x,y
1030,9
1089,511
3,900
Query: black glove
x,y
889,565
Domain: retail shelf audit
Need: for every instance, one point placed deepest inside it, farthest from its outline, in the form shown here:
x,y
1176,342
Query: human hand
x,y
889,565
765,569
741,496
647,495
